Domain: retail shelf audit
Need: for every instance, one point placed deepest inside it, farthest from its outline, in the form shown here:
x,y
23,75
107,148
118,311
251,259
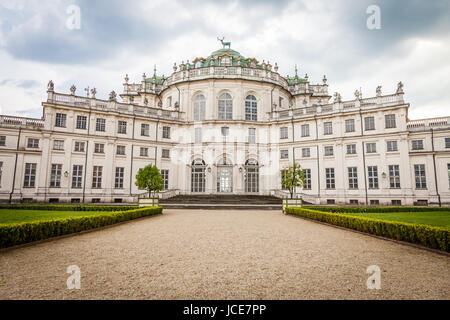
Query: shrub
x,y
67,207
432,237
20,233
376,209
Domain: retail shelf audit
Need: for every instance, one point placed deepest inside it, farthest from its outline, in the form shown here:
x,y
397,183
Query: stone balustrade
x,y
112,106
421,124
20,121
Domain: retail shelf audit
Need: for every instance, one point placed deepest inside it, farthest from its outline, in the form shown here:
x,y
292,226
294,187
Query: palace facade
x,y
226,124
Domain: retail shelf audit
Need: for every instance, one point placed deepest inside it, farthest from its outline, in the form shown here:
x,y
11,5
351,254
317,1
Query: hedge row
x,y
432,237
67,207
20,233
376,209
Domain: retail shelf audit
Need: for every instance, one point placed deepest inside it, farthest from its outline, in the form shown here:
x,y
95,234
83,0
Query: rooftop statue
x,y
379,91
225,44
50,86
400,88
73,89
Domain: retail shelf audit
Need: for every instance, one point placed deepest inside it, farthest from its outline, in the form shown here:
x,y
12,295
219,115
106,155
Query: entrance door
x,y
225,179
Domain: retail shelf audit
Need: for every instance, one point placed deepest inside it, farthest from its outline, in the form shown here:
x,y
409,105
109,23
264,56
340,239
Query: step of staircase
x,y
221,202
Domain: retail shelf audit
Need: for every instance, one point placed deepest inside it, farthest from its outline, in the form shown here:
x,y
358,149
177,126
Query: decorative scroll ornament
x,y
113,96
50,86
400,88
73,89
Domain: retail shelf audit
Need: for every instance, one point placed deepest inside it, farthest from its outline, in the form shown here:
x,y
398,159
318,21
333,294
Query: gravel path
x,y
223,255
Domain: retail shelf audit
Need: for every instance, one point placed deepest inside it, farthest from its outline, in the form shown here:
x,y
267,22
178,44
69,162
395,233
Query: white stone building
x,y
226,124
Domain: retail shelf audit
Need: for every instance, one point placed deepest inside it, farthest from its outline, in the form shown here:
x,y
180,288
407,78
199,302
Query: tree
x,y
150,179
292,178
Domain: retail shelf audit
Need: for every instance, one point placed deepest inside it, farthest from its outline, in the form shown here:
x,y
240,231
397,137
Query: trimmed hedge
x,y
432,237
20,233
376,209
68,207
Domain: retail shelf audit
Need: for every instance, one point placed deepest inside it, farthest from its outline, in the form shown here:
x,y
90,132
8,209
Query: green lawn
x,y
17,216
432,218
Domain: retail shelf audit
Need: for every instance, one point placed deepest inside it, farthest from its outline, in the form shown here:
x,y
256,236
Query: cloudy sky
x,y
116,37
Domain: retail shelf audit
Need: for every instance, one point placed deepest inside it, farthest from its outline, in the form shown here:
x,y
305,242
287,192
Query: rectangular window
x,y
165,154
391,146
33,143
252,135
58,145
308,184
79,146
371,148
55,176
306,152
373,177
284,154
144,152
145,130
390,121
118,181
351,149
394,176
81,122
396,202
60,120
165,176
99,148
353,178
30,175
305,130
421,179
121,150
448,169
198,135
350,125
283,176
369,123
374,202
166,132
447,143
284,133
330,178
77,177
122,127
2,141
329,151
417,144
100,125
97,177
328,128
354,201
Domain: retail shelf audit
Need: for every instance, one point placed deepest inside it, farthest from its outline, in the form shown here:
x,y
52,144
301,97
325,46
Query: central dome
x,y
227,51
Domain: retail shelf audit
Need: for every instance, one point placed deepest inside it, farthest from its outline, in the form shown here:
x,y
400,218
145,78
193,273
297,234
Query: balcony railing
x,y
20,121
441,122
112,106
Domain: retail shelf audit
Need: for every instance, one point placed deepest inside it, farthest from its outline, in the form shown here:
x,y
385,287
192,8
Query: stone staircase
x,y
235,202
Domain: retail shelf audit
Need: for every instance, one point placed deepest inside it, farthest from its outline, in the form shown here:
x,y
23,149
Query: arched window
x,y
251,108
251,176
198,64
198,180
225,107
199,108
226,61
